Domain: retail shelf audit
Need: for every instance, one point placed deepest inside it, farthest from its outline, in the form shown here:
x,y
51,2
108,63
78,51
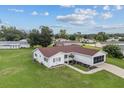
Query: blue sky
x,y
84,19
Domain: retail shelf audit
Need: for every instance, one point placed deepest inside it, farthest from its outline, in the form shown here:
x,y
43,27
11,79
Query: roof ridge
x,y
49,51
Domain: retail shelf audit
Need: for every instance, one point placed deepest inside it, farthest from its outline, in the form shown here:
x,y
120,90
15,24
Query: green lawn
x,y
17,70
80,67
115,61
91,47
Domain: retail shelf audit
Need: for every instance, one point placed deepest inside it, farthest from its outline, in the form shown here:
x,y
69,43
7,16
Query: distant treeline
x,y
44,35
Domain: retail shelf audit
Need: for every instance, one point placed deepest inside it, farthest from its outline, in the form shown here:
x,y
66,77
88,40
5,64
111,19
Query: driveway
x,y
113,69
108,67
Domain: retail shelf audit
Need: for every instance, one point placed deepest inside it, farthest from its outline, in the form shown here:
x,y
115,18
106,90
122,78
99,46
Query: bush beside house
x,y
113,51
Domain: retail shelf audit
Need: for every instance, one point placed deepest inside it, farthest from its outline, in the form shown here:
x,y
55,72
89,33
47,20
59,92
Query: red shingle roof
x,y
66,49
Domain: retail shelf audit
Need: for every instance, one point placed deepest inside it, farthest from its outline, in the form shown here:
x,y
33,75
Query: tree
x,y
89,36
41,37
46,36
72,37
113,51
56,36
63,34
78,36
34,37
101,36
11,34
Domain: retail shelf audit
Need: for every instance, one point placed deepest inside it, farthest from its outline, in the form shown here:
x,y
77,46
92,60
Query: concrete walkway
x,y
108,67
113,69
84,72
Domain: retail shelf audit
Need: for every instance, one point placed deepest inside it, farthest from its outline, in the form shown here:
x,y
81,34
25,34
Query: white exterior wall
x,y
67,44
14,44
9,46
100,53
24,45
83,58
58,55
40,58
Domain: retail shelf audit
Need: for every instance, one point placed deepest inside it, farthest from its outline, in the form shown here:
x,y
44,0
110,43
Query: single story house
x,y
61,39
66,43
14,44
88,41
112,39
58,55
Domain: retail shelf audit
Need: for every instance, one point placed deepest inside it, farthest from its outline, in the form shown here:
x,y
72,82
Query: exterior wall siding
x,y
58,55
67,44
40,58
100,53
14,44
85,59
9,47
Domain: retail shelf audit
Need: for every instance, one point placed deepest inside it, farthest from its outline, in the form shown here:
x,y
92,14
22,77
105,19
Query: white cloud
x,y
16,10
106,7
34,13
79,17
45,14
119,7
109,27
68,6
85,12
107,15
95,6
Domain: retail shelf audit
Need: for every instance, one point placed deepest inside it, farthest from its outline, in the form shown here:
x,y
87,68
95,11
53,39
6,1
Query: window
x,y
65,56
57,59
35,55
53,59
98,59
45,59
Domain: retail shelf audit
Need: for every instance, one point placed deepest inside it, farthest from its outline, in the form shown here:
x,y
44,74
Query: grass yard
x,y
115,61
91,47
80,67
17,70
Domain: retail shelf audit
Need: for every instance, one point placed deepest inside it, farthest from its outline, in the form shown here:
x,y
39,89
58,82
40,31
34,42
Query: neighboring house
x,y
58,40
66,43
54,56
14,44
100,45
112,39
89,41
61,39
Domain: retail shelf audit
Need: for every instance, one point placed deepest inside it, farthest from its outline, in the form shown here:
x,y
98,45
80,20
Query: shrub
x,y
113,51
